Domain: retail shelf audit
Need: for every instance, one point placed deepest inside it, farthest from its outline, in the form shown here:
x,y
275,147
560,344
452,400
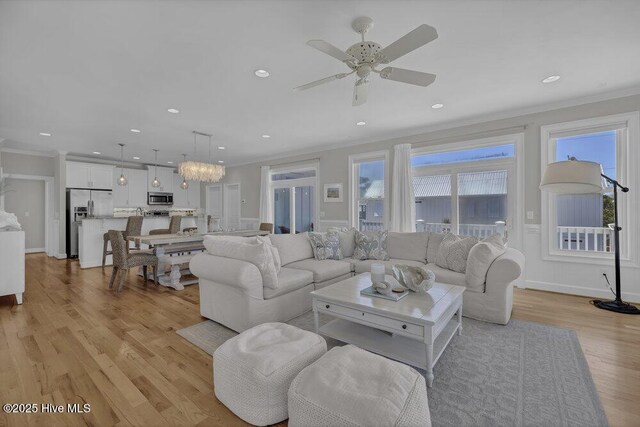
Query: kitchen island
x,y
91,230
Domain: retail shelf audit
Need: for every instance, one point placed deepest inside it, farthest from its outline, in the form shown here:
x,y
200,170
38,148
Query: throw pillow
x,y
432,247
326,245
371,246
481,256
347,240
454,251
274,251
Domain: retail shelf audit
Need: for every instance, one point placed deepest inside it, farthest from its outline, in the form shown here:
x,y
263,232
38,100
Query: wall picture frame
x,y
333,193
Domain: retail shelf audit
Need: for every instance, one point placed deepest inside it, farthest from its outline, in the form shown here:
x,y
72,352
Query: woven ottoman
x,y
252,372
349,386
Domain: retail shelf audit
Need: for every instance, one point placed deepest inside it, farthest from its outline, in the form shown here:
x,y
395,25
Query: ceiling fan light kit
x,y
363,58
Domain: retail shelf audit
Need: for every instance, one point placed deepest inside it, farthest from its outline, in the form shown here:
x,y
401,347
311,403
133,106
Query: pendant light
x,y
156,182
184,184
201,171
122,180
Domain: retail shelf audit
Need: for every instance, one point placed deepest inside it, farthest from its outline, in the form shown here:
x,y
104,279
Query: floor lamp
x,y
582,177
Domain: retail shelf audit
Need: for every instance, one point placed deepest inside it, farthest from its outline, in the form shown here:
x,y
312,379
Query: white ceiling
x,y
88,71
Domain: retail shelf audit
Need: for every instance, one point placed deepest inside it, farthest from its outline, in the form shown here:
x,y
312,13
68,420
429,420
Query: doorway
x,y
26,199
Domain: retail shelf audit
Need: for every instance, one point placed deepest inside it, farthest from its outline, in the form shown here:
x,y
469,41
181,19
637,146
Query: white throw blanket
x,y
9,222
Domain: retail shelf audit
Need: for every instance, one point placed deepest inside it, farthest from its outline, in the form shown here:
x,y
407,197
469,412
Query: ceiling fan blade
x,y
417,78
411,41
360,92
330,50
321,81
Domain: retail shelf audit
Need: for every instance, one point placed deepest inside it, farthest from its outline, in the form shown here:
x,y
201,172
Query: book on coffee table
x,y
371,291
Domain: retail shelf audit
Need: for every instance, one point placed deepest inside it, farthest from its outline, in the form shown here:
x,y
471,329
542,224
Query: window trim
x,y
353,160
626,155
513,165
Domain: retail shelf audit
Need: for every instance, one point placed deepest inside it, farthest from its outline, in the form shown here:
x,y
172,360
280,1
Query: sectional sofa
x,y
232,291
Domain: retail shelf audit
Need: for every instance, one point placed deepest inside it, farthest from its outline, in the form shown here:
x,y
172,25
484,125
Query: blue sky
x,y
497,151
597,147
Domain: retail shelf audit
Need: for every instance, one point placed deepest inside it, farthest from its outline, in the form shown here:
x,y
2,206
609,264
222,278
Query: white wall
x,y
560,276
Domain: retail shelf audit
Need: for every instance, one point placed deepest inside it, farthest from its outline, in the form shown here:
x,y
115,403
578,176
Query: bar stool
x,y
134,228
266,226
123,260
174,226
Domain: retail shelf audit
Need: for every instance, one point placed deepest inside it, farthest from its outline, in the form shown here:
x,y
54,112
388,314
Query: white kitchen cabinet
x,y
165,176
12,263
189,198
89,175
134,194
179,195
137,188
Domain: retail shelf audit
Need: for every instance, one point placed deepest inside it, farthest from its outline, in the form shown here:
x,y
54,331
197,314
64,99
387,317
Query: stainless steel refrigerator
x,y
84,204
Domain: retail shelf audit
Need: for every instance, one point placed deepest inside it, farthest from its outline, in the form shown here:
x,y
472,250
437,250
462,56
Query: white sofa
x,y
232,291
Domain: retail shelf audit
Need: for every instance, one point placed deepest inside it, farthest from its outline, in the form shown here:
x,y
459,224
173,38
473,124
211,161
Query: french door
x,y
294,206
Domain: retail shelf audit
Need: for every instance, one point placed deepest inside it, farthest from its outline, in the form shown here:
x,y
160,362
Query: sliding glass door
x,y
294,201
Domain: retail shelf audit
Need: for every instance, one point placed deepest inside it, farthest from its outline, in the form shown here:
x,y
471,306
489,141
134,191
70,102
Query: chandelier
x,y
192,170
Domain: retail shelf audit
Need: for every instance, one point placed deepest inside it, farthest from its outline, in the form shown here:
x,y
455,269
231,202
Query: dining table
x,y
174,251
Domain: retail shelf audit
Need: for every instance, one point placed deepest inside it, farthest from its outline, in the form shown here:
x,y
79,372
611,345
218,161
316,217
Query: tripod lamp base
x,y
617,306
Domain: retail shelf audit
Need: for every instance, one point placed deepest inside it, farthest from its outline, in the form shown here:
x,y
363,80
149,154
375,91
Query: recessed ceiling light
x,y
437,106
173,111
220,161
361,123
45,134
170,163
261,73
136,130
136,158
266,136
97,152
221,148
550,79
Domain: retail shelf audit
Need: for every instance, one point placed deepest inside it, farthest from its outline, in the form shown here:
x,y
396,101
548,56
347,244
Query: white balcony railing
x,y
585,239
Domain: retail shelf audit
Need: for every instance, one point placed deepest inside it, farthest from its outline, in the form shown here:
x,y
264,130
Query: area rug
x,y
521,374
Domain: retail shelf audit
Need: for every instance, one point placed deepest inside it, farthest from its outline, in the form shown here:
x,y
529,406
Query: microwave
x,y
165,199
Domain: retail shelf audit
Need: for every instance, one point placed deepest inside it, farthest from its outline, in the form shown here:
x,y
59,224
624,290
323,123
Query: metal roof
x,y
469,184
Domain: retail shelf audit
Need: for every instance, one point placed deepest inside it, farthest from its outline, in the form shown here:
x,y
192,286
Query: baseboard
x,y
578,290
33,250
61,256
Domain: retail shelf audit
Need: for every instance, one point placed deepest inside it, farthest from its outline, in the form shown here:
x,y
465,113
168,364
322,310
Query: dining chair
x,y
174,226
134,228
123,260
266,226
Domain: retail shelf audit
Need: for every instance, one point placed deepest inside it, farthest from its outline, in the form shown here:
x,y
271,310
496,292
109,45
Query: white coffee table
x,y
414,330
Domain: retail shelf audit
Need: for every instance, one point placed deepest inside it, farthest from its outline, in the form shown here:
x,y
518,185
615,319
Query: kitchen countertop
x,y
126,217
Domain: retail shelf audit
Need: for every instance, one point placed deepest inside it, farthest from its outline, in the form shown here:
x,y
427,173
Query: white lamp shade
x,y
572,177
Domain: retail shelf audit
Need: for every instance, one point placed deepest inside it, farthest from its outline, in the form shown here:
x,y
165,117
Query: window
x,y
369,186
467,191
294,200
579,226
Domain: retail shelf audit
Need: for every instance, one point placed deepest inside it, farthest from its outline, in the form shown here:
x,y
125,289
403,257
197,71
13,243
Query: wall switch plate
x,y
26,214
321,214
529,214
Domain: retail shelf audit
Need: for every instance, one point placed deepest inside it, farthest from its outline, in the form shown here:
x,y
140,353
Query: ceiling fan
x,y
364,57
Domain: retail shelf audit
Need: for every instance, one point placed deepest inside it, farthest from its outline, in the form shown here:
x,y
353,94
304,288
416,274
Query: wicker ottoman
x,y
352,387
252,372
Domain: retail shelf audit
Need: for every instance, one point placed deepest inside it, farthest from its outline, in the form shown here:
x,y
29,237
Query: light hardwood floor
x,y
75,341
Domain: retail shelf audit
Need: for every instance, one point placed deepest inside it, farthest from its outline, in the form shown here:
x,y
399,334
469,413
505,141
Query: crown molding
x,y
416,133
28,152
